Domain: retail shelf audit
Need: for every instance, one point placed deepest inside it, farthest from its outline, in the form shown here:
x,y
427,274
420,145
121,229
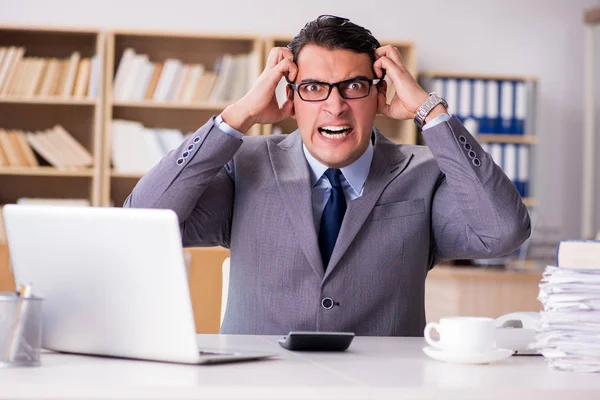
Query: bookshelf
x,y
183,103
501,117
50,76
398,131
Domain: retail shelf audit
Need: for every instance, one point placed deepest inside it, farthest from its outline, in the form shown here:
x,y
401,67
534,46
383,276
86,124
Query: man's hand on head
x,y
408,96
259,105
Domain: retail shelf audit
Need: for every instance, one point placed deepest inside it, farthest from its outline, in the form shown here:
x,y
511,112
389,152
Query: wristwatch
x,y
433,100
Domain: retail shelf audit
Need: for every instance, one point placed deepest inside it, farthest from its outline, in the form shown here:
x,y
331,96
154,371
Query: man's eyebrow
x,y
312,80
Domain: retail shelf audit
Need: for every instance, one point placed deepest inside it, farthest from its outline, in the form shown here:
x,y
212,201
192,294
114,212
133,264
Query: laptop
x,y
113,280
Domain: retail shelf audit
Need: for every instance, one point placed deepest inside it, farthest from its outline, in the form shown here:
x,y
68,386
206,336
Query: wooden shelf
x,y
466,75
50,100
37,29
146,35
174,106
126,175
46,171
518,139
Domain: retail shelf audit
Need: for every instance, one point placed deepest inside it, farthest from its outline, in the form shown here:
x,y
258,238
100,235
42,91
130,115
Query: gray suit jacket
x,y
419,205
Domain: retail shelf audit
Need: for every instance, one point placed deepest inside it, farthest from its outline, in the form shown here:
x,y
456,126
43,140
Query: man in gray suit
x,y
334,227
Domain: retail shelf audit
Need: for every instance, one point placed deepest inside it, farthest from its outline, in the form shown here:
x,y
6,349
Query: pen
x,y
18,323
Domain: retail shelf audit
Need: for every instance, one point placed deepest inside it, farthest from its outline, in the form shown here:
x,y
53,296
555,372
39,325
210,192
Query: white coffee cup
x,y
465,335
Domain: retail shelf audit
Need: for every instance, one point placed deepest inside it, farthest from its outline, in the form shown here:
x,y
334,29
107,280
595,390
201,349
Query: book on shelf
x,y
55,146
498,106
137,78
136,149
21,76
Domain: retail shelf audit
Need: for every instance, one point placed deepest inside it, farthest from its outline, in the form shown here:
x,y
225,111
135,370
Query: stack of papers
x,y
568,335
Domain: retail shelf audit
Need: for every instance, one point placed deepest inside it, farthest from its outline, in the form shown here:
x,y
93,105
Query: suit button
x,y
327,303
468,146
191,147
476,162
196,139
472,154
462,139
186,154
180,161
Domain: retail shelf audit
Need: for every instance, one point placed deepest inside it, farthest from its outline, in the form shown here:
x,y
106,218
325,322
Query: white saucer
x,y
462,358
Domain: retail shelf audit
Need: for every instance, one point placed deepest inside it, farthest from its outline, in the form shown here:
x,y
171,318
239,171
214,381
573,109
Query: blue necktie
x,y
333,214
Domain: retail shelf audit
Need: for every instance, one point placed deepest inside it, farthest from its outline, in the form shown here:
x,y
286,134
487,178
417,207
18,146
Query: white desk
x,y
394,368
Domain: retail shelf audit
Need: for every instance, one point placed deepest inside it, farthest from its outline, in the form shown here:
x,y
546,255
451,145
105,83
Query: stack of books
x,y
136,149
54,146
569,328
73,77
139,79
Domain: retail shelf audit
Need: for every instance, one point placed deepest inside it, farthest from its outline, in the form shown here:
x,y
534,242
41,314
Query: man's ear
x,y
382,86
289,93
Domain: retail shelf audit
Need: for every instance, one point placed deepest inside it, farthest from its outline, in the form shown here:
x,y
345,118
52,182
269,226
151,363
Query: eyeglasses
x,y
355,88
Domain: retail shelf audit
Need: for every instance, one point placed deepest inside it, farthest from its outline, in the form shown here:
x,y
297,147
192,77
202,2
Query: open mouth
x,y
335,132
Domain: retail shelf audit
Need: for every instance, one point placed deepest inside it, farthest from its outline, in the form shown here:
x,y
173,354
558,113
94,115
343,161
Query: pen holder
x,y
20,330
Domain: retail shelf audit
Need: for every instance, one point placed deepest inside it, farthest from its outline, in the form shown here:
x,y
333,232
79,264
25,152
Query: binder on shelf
x,y
438,86
485,147
510,162
497,153
478,98
451,94
490,120
506,107
465,103
521,105
523,170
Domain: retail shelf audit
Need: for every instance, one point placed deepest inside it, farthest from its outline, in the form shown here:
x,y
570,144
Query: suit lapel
x,y
293,179
388,162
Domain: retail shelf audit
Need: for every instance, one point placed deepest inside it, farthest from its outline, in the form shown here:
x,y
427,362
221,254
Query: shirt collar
x,y
355,173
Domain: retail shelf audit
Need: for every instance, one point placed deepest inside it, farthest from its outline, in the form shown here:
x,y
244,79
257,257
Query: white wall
x,y
544,38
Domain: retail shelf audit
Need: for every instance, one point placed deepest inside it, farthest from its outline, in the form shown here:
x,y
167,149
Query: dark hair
x,y
334,33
